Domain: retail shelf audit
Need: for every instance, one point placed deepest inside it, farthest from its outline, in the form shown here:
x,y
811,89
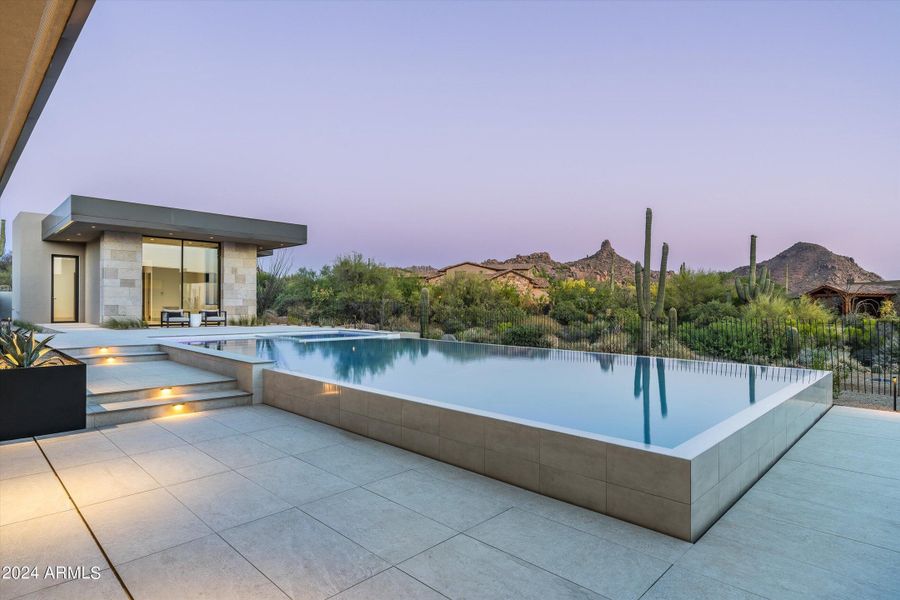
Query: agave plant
x,y
23,351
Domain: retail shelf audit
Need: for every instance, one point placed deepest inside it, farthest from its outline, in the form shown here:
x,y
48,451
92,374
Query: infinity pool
x,y
653,401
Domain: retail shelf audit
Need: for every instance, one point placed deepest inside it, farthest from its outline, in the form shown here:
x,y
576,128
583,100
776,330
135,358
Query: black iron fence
x,y
862,352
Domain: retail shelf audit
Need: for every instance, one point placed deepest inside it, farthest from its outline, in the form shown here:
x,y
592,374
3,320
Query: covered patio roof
x,y
82,219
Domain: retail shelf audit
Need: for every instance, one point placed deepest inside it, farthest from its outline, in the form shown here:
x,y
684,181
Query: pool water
x,y
658,401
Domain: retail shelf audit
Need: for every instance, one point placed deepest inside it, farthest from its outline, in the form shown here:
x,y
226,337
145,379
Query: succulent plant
x,y
752,288
20,351
424,309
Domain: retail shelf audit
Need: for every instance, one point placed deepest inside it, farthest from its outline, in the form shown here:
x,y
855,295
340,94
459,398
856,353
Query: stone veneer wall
x,y
238,279
120,275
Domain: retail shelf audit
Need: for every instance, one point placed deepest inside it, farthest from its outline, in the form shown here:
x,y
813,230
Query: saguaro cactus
x,y
612,273
648,310
2,237
424,309
673,322
753,288
792,339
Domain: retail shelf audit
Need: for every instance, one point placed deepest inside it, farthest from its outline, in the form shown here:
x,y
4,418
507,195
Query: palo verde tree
x,y
647,309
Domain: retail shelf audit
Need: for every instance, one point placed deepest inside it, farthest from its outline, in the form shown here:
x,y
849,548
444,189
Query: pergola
x,y
857,297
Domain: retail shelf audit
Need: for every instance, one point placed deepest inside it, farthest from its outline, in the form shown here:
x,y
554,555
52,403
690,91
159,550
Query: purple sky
x,y
438,132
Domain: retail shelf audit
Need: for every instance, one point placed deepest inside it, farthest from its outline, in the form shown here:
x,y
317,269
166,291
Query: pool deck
x,y
254,502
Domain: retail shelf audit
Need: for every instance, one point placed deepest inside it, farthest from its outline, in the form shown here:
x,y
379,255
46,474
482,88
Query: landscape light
x,y
178,407
165,391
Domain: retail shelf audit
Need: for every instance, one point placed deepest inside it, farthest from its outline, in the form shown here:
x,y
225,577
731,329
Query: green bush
x,y
27,326
124,323
525,335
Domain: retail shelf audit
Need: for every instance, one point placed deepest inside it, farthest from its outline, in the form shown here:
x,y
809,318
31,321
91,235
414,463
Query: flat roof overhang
x,y
35,41
83,219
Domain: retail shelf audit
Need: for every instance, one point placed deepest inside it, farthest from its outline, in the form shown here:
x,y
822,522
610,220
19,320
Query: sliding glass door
x,y
179,274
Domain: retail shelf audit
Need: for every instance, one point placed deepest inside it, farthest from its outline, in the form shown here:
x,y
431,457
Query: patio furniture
x,y
174,316
214,317
195,320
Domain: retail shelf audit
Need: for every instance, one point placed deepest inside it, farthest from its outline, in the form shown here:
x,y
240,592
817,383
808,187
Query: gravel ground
x,y
873,401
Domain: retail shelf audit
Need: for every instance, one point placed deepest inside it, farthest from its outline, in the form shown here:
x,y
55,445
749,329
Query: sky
x,y
437,132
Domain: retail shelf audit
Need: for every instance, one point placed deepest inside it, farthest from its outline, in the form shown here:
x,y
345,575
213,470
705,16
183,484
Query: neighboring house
x,y
92,260
520,276
864,297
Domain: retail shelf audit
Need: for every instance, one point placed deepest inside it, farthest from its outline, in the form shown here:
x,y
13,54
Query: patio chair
x,y
213,317
174,316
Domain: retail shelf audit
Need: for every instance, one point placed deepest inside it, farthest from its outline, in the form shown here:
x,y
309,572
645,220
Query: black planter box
x,y
42,400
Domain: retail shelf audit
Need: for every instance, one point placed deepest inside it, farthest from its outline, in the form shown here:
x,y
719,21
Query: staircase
x,y
132,383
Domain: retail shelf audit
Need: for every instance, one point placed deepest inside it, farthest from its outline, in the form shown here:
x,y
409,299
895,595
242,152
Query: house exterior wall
x,y
32,267
120,287
238,279
469,268
91,274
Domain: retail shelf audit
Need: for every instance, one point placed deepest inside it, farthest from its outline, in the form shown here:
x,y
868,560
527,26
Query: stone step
x,y
116,413
120,357
161,393
103,351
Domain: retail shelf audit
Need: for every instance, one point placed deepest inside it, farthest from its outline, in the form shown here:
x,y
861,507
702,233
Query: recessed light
x,y
93,227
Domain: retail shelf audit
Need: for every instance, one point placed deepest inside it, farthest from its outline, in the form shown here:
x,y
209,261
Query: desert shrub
x,y
124,323
524,335
477,334
614,342
709,312
690,291
27,326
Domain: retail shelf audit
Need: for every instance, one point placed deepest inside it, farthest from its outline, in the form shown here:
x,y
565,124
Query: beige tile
x,y
729,454
421,417
105,480
462,455
354,462
390,433
104,587
420,442
704,512
650,472
574,454
204,568
354,422
295,481
512,469
48,541
141,524
178,464
462,427
195,428
733,485
354,401
21,457
136,438
655,512
385,408
574,488
31,496
512,438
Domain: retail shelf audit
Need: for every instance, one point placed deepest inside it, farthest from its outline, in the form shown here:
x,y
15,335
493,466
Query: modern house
x,y
520,276
92,260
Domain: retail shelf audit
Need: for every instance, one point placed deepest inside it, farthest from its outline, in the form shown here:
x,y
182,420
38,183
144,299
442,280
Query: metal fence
x,y
863,353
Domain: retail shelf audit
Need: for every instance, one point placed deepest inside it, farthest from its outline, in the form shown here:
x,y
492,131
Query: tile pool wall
x,y
680,493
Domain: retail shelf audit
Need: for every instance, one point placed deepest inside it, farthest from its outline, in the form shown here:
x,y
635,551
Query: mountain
x,y
597,265
809,266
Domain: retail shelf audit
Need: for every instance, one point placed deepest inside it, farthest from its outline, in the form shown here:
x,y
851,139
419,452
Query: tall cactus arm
x,y
661,290
645,290
639,287
752,261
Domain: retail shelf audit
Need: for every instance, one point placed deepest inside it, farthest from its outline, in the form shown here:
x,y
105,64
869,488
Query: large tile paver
x,y
609,569
140,437
195,428
295,481
105,587
245,419
353,462
48,541
463,567
31,496
105,480
141,524
227,499
383,527
392,584
71,450
294,440
302,556
237,451
178,464
204,568
21,457
680,584
445,502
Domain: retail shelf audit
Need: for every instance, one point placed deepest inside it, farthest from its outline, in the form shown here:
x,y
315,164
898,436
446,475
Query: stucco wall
x,y
238,279
32,269
120,275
